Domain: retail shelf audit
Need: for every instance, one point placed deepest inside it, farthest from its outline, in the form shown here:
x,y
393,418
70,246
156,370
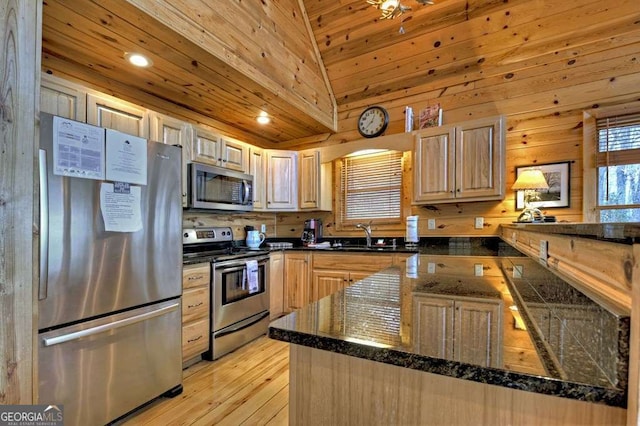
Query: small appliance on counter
x,y
312,232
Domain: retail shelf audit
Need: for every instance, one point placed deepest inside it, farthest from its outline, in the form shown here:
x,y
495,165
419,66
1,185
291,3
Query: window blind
x,y
618,140
371,187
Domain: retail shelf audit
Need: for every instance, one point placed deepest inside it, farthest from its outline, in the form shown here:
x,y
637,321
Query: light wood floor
x,y
249,386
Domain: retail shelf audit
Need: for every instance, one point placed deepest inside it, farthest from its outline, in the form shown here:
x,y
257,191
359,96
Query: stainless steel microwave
x,y
217,188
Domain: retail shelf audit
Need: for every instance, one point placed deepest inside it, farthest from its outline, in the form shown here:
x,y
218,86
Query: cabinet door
x,y
206,147
296,280
172,131
258,171
282,180
276,284
326,283
112,113
309,181
63,98
433,326
478,333
434,165
234,155
480,159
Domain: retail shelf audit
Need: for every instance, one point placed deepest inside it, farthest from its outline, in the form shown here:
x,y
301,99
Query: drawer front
x,y
352,262
195,338
195,304
196,275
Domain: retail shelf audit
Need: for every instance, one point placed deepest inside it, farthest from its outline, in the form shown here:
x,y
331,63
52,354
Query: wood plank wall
x,y
539,63
20,23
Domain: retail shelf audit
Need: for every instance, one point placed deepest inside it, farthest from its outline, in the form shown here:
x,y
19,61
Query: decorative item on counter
x,y
411,238
431,116
324,244
408,119
276,246
254,239
530,181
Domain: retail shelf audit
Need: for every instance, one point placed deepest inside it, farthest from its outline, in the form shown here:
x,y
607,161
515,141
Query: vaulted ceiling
x,y
221,62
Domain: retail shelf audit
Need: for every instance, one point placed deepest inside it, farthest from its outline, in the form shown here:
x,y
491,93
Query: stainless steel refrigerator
x,y
109,309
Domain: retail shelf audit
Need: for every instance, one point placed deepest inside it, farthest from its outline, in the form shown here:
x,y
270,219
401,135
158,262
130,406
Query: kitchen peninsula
x,y
432,341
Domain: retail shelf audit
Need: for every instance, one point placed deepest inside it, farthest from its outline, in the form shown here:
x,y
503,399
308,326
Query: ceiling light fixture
x,y
263,118
391,9
138,59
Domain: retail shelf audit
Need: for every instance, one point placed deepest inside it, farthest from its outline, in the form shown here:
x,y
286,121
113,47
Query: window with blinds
x,y
371,188
618,168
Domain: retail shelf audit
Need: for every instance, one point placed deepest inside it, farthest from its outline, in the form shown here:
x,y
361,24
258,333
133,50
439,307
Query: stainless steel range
x,y
239,287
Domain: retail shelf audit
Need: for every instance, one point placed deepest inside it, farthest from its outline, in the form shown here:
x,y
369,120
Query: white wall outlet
x,y
544,251
431,268
479,222
431,224
478,269
517,271
263,228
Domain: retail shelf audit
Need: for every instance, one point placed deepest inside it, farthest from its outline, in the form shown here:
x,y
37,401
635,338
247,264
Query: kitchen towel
x,y
252,276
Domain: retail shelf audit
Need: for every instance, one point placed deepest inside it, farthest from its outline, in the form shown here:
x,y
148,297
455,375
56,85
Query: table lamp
x,y
530,181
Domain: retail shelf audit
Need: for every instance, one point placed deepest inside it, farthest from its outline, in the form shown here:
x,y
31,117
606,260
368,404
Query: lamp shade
x,y
530,179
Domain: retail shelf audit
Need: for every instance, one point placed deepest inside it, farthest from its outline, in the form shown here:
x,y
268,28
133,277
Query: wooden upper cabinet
x,y
315,187
63,98
309,181
211,148
257,169
282,180
171,131
461,162
112,113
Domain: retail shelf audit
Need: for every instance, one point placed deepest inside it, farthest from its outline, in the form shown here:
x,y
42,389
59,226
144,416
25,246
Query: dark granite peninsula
x,y
442,340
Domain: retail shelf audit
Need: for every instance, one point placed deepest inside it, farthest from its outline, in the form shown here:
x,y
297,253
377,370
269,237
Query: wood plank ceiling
x,y
461,52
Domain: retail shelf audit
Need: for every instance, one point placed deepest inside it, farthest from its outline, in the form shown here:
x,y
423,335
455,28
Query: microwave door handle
x,y
246,190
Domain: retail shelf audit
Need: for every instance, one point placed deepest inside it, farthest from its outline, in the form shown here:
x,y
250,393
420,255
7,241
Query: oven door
x,y
235,298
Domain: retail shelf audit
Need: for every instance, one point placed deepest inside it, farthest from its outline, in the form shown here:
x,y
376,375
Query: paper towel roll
x,y
412,229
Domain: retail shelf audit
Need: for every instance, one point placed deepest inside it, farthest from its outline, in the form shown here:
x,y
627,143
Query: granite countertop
x,y
626,233
457,246
577,349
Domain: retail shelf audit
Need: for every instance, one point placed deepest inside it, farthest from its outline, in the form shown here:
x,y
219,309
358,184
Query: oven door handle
x,y
242,326
229,268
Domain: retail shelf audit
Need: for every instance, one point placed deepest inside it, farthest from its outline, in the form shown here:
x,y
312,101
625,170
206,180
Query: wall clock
x,y
373,122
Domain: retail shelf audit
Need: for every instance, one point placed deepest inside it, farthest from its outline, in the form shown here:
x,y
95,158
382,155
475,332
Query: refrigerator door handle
x,y
111,326
44,225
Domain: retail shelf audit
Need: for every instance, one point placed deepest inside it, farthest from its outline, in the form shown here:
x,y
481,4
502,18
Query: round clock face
x,y
373,121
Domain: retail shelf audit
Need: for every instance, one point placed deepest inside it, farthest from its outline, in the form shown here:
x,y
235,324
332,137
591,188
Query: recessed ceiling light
x,y
263,118
138,59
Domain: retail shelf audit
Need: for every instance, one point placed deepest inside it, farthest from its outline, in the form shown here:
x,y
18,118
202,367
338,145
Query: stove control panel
x,y
207,235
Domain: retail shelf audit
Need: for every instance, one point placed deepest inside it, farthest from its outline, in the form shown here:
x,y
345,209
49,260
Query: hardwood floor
x,y
249,386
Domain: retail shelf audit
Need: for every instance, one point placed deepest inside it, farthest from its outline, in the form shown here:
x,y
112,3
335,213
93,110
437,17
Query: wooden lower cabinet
x,y
333,272
196,302
460,329
276,284
309,276
297,280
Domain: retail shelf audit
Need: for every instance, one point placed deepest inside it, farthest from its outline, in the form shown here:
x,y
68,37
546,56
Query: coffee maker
x,y
312,232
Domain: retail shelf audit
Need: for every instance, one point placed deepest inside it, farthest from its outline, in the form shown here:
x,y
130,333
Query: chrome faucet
x,y
367,231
